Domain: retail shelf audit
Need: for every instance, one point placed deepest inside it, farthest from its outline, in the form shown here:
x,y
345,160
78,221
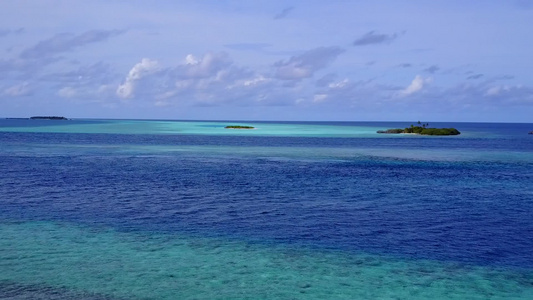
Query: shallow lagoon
x,y
261,128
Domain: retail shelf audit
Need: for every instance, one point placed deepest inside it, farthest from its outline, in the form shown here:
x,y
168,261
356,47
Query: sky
x,y
383,60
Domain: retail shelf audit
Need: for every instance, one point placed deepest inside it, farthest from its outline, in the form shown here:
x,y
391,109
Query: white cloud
x,y
416,85
191,60
207,66
493,91
255,81
140,70
201,80
21,89
67,92
509,94
320,98
212,79
125,90
339,84
249,82
497,90
145,67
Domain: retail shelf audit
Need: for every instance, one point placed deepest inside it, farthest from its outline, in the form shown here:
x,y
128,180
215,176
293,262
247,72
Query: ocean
x,y
162,209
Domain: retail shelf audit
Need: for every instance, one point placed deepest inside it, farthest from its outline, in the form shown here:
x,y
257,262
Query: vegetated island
x,y
422,129
239,127
47,118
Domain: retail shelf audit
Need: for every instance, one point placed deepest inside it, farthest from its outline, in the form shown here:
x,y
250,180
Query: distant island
x,y
47,118
239,127
422,129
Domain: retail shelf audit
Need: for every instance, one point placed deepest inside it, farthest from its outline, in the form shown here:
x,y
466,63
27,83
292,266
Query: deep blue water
x,y
306,192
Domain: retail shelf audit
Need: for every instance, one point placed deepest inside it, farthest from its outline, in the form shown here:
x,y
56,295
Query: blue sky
x,y
268,60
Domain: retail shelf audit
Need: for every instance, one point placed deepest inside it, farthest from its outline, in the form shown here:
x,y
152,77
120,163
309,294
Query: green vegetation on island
x,y
239,127
422,129
47,118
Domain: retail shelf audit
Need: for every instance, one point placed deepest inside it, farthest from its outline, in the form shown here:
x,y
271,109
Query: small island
x,y
422,129
239,127
47,118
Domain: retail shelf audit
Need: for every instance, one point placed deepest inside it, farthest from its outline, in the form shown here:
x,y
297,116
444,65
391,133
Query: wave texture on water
x,y
107,215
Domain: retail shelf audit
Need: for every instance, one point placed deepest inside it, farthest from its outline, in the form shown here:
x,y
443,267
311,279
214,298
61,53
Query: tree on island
x,y
422,129
422,124
47,118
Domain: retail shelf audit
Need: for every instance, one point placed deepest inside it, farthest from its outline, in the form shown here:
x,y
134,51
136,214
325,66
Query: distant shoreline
x,y
373,123
47,118
40,118
239,127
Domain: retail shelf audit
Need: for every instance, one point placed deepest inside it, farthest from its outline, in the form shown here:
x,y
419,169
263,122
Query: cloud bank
x,y
64,42
170,59
307,63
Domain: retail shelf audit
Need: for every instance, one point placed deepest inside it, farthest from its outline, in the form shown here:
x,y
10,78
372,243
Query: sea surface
x,y
153,209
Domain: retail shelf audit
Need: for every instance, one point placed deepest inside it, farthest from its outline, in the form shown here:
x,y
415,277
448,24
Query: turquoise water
x,y
111,209
288,129
199,127
146,265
